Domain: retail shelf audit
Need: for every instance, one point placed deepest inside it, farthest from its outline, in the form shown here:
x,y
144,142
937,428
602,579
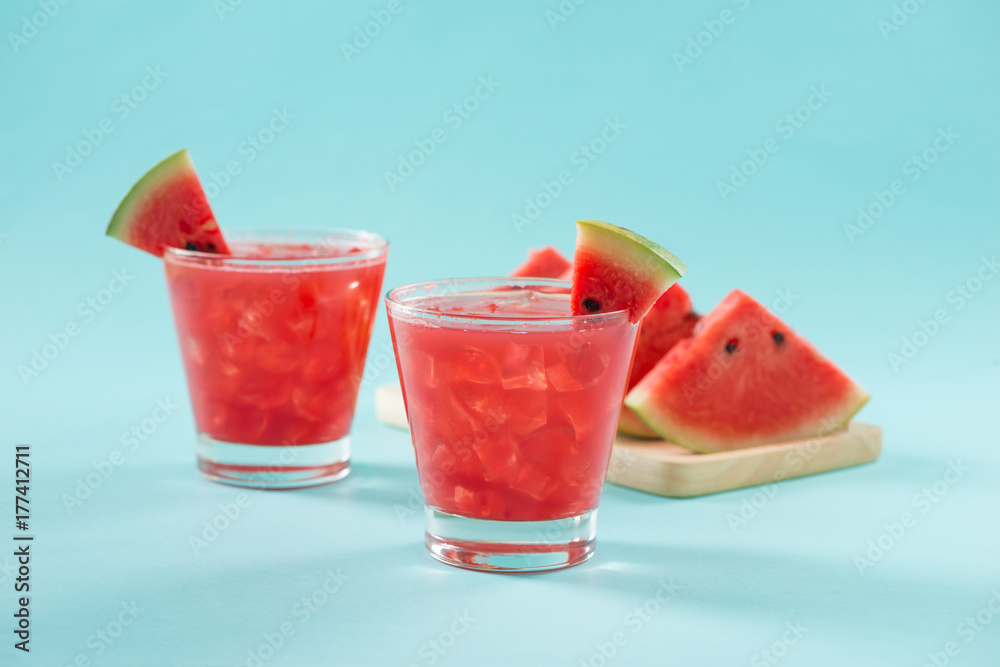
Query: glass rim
x,y
316,237
451,288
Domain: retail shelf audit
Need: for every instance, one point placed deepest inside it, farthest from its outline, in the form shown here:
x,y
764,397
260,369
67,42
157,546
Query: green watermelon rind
x,y
670,433
122,219
627,244
631,425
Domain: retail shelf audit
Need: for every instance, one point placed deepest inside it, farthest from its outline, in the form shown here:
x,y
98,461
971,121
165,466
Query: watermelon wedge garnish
x,y
670,320
744,379
616,269
168,208
544,262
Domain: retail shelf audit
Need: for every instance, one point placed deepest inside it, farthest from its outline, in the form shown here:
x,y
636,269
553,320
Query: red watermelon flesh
x,y
167,207
543,263
616,269
668,322
743,379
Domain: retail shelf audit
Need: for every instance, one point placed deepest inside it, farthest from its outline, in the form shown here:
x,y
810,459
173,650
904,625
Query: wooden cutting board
x,y
667,469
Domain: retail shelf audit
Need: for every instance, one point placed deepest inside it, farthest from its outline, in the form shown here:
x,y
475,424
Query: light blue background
x,y
686,128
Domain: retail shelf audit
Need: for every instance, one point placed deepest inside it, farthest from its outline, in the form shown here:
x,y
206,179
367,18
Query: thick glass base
x,y
274,467
510,546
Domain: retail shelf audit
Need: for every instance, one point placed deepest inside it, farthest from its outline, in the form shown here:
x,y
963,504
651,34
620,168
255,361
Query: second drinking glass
x,y
512,404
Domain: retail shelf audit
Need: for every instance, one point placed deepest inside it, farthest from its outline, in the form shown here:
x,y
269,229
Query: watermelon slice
x,y
744,379
616,269
168,207
544,262
630,424
647,354
668,322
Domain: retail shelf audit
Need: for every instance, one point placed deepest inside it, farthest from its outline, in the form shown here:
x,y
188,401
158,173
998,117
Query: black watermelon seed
x,y
210,247
731,346
591,305
779,338
190,246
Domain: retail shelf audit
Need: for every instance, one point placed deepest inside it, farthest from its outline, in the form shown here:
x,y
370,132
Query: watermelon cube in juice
x,y
513,405
274,338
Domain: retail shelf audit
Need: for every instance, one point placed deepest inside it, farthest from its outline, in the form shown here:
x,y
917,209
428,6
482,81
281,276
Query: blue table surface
x,y
838,160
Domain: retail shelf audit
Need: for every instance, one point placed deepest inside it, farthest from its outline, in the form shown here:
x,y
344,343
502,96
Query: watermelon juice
x,y
513,405
273,339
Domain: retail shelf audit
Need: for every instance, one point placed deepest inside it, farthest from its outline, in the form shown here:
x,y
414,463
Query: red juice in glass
x,y
273,339
513,405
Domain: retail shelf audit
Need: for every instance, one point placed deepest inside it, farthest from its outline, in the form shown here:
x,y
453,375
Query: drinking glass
x,y
513,405
273,339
